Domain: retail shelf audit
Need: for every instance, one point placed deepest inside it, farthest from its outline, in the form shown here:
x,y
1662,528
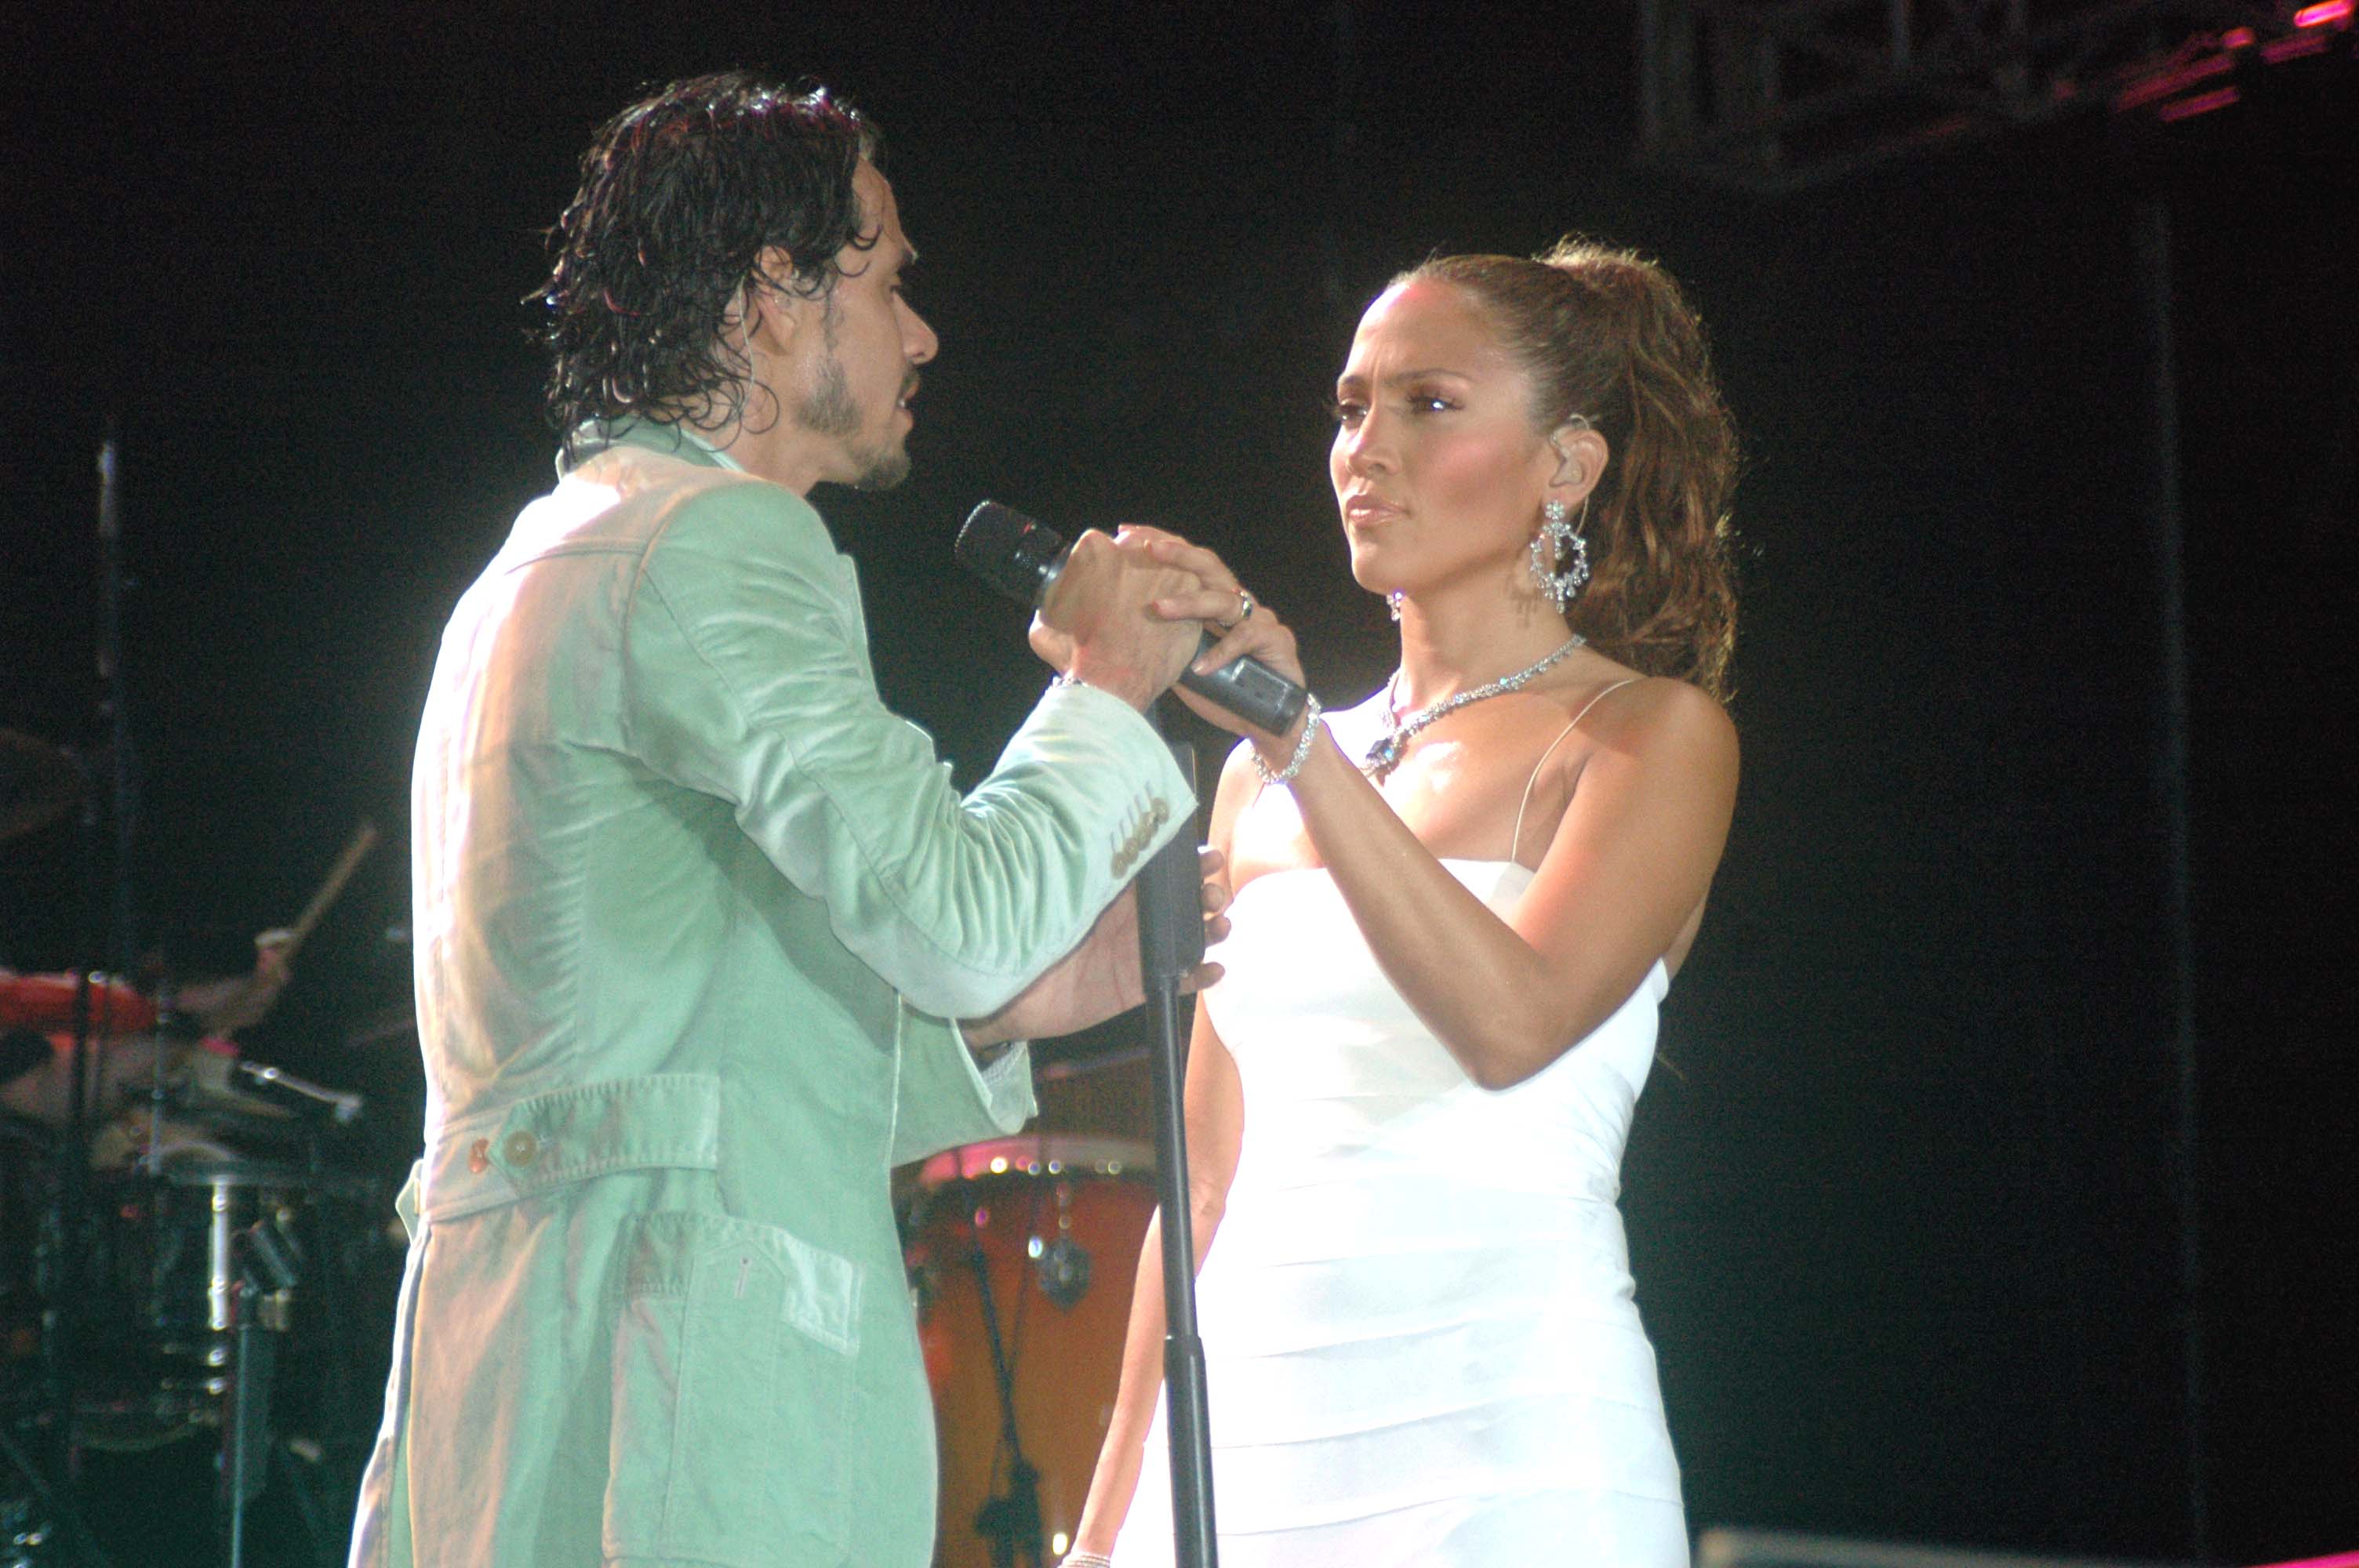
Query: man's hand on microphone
x,y
1097,623
1100,978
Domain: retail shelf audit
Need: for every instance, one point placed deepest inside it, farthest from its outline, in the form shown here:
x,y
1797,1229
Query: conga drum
x,y
1022,1252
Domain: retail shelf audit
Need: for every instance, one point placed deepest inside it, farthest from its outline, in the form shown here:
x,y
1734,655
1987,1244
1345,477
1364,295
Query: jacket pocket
x,y
733,1383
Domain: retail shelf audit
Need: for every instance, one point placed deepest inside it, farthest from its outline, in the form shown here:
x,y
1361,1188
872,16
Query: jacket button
x,y
521,1148
479,1156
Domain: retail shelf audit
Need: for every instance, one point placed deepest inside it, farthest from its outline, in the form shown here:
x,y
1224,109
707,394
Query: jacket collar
x,y
672,440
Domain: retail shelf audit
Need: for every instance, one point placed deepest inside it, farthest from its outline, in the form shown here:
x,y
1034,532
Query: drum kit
x,y
216,1220
171,1216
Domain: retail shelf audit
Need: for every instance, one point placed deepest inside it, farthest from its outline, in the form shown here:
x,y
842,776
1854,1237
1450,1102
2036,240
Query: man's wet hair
x,y
681,195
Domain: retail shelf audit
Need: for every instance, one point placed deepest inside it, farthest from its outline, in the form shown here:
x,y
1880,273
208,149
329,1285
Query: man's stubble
x,y
828,409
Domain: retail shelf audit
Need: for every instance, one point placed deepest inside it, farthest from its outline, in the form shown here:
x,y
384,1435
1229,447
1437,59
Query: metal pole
x,y
1171,943
2150,243
1187,1399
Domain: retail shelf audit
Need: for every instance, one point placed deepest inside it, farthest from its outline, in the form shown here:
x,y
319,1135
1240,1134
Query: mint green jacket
x,y
691,908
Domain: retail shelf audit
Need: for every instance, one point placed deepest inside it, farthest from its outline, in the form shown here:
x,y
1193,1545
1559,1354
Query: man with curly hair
x,y
695,913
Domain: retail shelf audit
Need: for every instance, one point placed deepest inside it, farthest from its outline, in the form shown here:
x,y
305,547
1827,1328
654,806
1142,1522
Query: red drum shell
x,y
999,1199
46,1002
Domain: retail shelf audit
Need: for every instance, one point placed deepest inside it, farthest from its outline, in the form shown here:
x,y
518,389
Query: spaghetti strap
x,y
1516,839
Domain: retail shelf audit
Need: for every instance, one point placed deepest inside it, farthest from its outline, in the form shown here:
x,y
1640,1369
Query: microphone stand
x,y
1170,943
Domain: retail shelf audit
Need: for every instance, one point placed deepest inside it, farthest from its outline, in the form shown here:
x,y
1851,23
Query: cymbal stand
x,y
102,936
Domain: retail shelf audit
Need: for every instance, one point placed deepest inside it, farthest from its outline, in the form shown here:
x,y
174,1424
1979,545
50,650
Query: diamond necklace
x,y
1386,754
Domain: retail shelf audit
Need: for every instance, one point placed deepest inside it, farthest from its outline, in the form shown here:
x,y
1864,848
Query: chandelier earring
x,y
1560,540
1393,602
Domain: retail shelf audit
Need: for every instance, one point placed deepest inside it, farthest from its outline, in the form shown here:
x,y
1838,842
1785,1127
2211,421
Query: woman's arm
x,y
1629,864
1213,1103
1627,868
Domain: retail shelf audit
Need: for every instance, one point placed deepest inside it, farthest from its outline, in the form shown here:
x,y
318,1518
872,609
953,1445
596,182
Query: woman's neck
x,y
1455,639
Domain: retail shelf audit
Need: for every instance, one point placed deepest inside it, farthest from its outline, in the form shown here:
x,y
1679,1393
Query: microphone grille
x,y
1013,553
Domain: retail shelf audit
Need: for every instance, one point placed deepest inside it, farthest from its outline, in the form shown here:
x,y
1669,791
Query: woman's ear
x,y
1580,454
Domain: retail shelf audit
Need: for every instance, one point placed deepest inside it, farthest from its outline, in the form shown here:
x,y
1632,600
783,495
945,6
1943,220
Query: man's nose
x,y
918,338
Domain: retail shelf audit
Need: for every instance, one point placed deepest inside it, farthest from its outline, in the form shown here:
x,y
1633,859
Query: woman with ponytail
x,y
1457,908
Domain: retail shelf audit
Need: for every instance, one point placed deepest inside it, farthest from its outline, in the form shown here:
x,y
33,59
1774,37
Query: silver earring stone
x,y
1557,539
1393,602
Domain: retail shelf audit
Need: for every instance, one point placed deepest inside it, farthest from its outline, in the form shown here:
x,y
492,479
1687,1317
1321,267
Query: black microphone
x,y
1021,559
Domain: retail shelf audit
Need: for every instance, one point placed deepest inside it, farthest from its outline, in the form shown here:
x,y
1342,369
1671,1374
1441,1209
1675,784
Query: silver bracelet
x,y
1086,1560
1301,747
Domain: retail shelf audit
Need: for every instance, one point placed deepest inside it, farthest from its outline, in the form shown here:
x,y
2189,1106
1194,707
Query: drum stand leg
x,y
245,1447
36,1415
303,1490
1009,1521
248,1447
265,1268
63,1514
64,1517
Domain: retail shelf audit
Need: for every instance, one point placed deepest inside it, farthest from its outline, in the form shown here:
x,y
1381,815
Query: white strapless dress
x,y
1419,1333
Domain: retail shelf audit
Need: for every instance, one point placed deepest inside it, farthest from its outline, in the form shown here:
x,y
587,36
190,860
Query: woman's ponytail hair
x,y
1605,336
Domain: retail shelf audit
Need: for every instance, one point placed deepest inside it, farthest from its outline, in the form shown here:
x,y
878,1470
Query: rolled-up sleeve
x,y
747,678
943,1098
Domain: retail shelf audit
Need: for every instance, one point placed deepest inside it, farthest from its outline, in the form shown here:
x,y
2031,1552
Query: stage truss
x,y
1779,96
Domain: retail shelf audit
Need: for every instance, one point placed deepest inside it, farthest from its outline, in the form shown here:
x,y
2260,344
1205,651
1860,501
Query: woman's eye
x,y
1343,413
1431,404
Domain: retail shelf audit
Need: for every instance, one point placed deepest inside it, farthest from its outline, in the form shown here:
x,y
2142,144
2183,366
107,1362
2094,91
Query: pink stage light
x,y
2236,39
2295,47
2325,14
2343,1560
2163,86
2202,103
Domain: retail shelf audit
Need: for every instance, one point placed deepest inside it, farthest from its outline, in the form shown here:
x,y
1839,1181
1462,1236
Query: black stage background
x,y
1903,1203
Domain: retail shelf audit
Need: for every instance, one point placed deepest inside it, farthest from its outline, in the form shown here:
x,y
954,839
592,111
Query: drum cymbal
x,y
37,782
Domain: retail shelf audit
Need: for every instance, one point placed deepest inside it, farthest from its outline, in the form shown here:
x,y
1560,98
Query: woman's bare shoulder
x,y
1633,711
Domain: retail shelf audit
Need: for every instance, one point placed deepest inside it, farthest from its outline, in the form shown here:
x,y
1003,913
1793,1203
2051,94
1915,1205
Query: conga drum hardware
x,y
183,1263
1022,1331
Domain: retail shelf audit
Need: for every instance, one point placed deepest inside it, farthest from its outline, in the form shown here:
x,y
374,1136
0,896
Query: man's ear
x,y
1580,454
768,309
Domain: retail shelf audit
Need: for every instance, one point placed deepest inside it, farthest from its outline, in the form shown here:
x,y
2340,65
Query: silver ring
x,y
1244,609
